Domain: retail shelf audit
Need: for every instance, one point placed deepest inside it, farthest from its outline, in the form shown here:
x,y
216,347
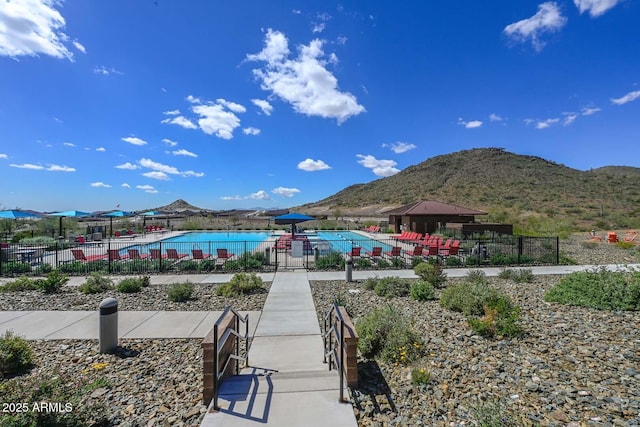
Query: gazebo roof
x,y
431,207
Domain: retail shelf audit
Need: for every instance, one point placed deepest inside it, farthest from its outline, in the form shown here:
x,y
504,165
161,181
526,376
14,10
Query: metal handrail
x,y
330,347
219,343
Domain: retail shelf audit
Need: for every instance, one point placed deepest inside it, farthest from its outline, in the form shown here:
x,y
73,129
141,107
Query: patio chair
x,y
355,252
78,255
416,252
114,255
174,255
156,254
395,251
223,254
135,254
376,252
198,255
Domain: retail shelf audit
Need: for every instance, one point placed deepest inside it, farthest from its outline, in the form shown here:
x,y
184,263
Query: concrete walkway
x,y
286,384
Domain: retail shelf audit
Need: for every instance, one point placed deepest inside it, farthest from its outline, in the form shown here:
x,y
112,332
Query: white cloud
x,y
631,96
546,123
251,131
79,46
569,118
128,166
382,168
495,118
164,169
342,40
587,111
285,192
3,156
595,7
548,19
259,195
147,188
470,125
169,142
231,198
180,121
68,144
303,82
100,185
311,165
236,108
106,71
101,149
125,185
399,147
161,176
134,140
60,168
215,120
171,113
27,166
183,152
192,173
30,28
266,108
318,27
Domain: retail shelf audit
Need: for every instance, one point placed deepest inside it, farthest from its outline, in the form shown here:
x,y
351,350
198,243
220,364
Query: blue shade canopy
x,y
292,218
118,214
73,214
152,213
15,214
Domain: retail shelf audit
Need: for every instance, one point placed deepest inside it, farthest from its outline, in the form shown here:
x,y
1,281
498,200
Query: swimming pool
x,y
209,242
344,241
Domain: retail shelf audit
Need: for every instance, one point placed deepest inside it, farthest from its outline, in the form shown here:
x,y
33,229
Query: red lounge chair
x,y
376,252
355,252
78,255
223,254
114,255
197,254
174,255
156,254
451,250
135,254
394,252
417,251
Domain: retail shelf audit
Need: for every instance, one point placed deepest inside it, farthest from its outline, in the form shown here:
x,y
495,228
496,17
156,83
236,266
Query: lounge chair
x,y
355,252
114,255
174,255
135,254
376,252
78,255
223,254
396,251
156,254
198,255
416,252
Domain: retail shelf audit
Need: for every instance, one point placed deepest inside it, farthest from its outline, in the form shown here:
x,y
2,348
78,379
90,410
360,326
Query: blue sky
x,y
236,104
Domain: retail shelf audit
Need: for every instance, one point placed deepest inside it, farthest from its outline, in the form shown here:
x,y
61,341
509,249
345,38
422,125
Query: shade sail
x,y
15,214
292,218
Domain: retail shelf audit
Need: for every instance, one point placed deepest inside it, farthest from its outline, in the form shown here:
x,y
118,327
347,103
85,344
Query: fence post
x,y
341,372
109,256
215,367
519,248
557,250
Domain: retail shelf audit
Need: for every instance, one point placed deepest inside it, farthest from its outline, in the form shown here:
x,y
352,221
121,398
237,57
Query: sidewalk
x,y
286,384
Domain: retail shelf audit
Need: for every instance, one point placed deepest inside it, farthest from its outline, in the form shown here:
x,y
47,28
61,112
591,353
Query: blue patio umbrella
x,y
115,214
292,218
72,214
15,214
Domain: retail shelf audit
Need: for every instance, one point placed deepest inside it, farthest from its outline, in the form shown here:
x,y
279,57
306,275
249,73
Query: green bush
x,y
53,283
387,333
180,292
382,263
468,298
397,262
431,273
240,283
452,261
15,354
422,291
14,267
520,275
420,376
494,413
333,260
43,269
389,287
501,317
600,289
96,283
130,285
476,276
363,263
22,283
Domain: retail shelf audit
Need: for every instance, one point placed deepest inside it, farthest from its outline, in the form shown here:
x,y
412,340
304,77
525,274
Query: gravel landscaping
x,y
574,366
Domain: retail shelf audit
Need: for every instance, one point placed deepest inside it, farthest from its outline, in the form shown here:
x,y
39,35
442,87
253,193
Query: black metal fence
x,y
383,252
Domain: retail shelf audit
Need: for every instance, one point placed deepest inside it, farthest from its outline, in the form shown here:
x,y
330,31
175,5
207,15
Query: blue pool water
x,y
208,242
344,241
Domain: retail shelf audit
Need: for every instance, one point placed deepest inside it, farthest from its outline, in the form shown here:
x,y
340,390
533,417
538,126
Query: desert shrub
x,y
363,263
240,283
600,289
452,261
38,241
189,265
370,283
431,273
397,262
15,354
14,267
625,245
476,276
468,298
420,376
332,260
494,413
130,285
53,283
473,260
387,333
422,291
96,283
389,287
59,388
180,292
587,244
416,260
520,275
382,263
22,283
43,269
501,317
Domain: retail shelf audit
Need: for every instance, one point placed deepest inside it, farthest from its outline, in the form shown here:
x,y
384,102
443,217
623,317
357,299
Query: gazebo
x,y
428,215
